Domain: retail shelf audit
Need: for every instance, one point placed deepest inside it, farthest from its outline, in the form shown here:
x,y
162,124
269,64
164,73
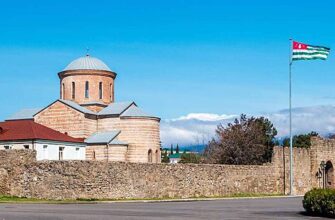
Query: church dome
x,y
87,63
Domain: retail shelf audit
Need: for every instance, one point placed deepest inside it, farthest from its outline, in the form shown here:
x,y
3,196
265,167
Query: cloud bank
x,y
198,128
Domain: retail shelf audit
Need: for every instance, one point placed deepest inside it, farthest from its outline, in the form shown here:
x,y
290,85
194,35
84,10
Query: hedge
x,y
320,202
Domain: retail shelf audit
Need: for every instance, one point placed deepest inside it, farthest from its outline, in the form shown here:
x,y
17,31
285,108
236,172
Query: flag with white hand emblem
x,y
302,51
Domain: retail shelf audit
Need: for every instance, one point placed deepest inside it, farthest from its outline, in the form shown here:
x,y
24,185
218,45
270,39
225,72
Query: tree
x,y
165,157
177,149
190,158
171,150
331,136
245,141
301,140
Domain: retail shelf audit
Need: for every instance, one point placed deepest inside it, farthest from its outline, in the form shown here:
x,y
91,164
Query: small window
x,y
63,91
45,152
73,90
26,146
157,156
87,88
94,155
150,156
61,153
7,147
111,88
77,148
100,90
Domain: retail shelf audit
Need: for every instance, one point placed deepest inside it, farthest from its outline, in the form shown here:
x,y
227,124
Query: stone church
x,y
86,109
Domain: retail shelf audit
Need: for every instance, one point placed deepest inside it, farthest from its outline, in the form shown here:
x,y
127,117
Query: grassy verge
x,y
15,199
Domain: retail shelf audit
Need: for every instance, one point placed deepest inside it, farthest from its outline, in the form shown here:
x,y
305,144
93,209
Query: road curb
x,y
197,199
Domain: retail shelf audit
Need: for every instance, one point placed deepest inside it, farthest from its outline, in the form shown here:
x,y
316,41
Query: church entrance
x,y
329,175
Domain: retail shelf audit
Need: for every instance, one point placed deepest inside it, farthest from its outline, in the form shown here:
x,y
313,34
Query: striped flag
x,y
302,51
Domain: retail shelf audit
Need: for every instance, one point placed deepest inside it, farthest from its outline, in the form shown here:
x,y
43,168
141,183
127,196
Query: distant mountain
x,y
194,148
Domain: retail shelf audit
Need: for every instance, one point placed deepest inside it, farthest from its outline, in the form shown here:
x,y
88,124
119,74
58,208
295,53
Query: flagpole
x,y
290,109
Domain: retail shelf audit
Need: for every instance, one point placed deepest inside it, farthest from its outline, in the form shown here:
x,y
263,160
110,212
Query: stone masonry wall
x,y
321,150
22,175
141,135
108,153
301,171
93,77
95,179
61,117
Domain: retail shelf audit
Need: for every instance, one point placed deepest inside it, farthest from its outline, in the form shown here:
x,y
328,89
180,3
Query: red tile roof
x,y
29,130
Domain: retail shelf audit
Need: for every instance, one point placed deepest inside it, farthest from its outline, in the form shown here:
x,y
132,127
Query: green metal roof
x,y
174,156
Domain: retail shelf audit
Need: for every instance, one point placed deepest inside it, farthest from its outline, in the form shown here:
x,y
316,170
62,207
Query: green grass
x,y
15,199
242,195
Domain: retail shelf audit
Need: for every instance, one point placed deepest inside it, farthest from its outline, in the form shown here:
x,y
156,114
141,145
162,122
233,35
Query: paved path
x,y
270,208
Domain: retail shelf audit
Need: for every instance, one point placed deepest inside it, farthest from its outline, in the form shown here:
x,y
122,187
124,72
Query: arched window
x,y
87,89
157,156
111,92
73,90
93,156
329,175
63,91
100,90
150,156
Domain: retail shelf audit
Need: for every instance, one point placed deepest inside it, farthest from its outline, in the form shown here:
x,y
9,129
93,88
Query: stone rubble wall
x,y
301,171
99,179
22,175
321,150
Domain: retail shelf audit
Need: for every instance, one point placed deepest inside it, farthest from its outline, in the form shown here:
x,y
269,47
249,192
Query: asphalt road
x,y
269,208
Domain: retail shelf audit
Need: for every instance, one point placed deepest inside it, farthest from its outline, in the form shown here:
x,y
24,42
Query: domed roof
x,y
87,63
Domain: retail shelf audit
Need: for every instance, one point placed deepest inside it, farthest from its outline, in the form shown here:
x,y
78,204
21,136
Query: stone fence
x,y
21,175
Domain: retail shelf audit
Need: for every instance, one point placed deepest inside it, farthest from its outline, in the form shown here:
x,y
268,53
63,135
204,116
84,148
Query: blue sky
x,y
173,57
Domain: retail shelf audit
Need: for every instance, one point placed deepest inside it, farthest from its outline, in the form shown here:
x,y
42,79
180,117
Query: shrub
x,y
246,141
190,158
320,202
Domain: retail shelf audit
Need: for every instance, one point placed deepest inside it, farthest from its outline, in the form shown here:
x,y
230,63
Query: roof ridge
x,y
118,132
128,107
64,101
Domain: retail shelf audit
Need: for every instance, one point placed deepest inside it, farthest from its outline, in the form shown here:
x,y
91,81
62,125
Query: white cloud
x,y
204,117
198,128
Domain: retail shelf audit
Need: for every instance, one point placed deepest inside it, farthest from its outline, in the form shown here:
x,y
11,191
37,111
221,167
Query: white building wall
x,y
16,145
72,151
51,151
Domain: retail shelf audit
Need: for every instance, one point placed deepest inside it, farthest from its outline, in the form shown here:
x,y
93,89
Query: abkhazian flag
x,y
302,51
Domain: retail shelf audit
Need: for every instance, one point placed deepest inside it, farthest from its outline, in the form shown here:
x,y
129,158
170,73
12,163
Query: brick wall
x,y
141,134
93,77
63,118
107,153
